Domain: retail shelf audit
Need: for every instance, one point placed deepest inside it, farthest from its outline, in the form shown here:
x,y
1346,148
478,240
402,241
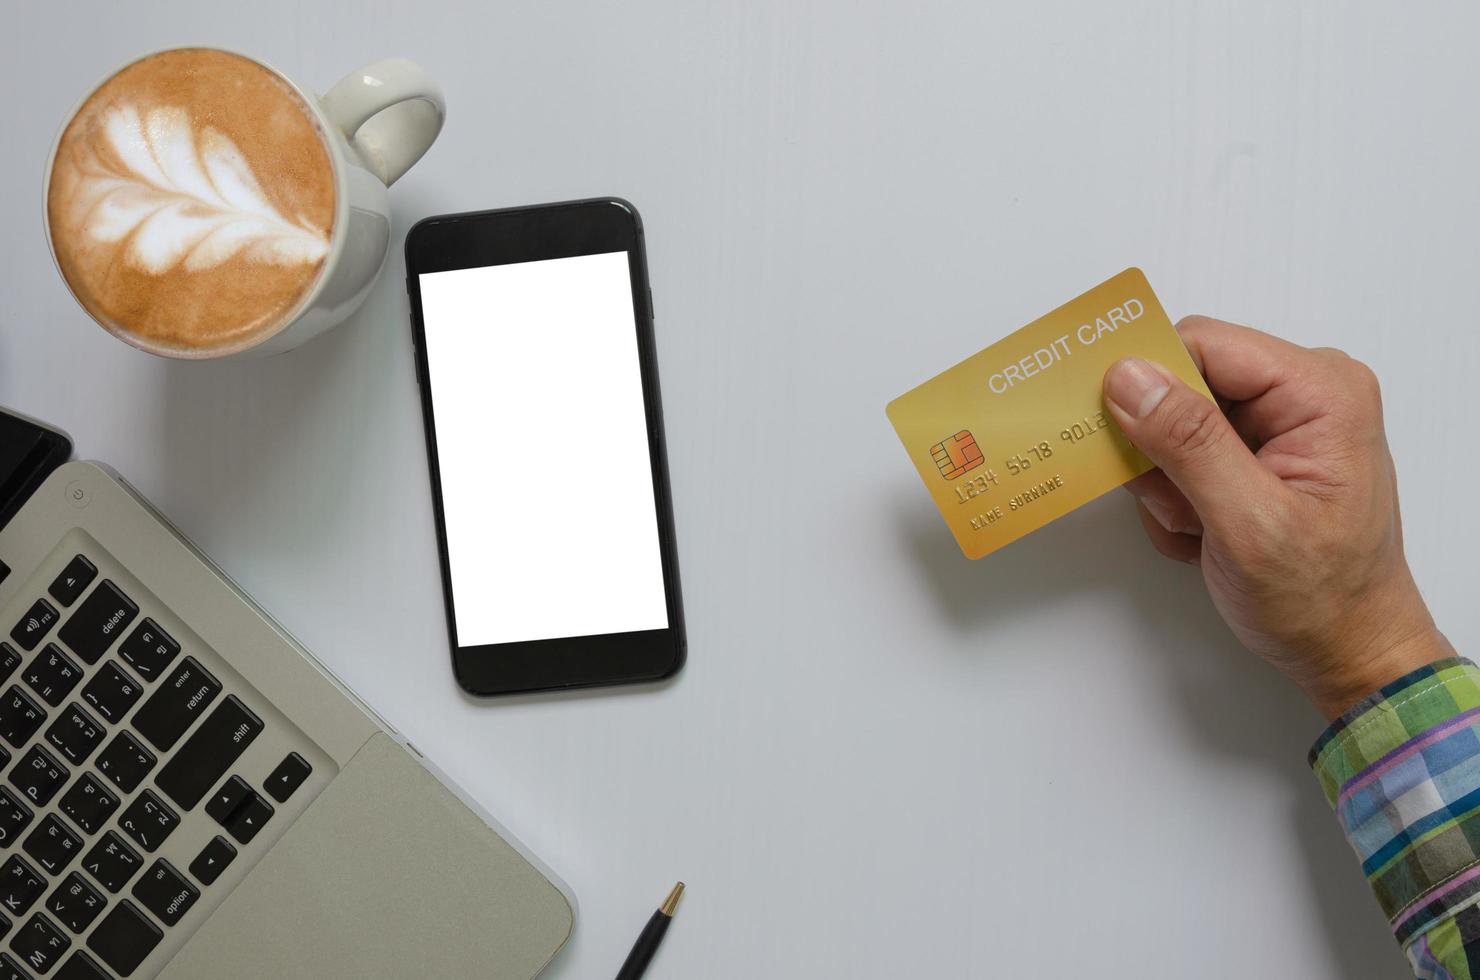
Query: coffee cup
x,y
201,204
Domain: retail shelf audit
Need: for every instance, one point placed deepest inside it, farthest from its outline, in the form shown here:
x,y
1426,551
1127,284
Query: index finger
x,y
1266,386
1239,363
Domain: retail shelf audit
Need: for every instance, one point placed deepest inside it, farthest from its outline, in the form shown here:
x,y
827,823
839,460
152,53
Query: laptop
x,y
186,793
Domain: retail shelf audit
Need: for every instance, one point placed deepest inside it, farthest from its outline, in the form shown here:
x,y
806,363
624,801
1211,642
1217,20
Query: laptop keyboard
x,y
124,800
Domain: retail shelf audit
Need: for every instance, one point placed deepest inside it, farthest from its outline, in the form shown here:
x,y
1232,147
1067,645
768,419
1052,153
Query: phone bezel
x,y
527,234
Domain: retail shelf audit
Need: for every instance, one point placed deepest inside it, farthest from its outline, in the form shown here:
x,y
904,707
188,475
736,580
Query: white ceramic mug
x,y
377,121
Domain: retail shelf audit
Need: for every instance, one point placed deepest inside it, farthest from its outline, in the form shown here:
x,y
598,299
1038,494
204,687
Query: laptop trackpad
x,y
387,874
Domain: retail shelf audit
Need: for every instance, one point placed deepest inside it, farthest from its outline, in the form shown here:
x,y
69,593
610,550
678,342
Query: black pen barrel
x,y
644,948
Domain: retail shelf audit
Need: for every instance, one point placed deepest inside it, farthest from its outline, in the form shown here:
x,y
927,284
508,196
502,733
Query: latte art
x,y
165,196
191,203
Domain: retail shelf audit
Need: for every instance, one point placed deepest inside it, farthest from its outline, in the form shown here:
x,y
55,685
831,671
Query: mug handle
x,y
390,111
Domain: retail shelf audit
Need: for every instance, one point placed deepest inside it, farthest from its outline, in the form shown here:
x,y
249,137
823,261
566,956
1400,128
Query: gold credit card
x,y
1018,434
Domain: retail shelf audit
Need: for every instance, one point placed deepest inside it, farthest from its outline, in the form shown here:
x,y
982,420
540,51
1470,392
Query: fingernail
x,y
1160,511
1165,515
1135,386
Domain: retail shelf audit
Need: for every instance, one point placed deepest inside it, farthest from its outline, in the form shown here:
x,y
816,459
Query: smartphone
x,y
534,353
29,451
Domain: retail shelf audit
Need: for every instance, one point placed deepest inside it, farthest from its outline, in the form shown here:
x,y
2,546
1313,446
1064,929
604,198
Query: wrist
x,y
1362,673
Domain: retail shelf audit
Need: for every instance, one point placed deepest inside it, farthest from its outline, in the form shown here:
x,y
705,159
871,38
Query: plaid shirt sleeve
x,y
1402,771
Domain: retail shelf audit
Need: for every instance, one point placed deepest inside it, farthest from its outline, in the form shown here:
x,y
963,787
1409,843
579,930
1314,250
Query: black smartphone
x,y
29,451
544,431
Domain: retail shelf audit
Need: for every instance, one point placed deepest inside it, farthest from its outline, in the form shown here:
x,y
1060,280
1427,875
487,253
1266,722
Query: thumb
x,y
1188,437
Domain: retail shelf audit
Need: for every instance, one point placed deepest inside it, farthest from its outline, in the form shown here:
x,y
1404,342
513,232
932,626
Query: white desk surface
x,y
883,760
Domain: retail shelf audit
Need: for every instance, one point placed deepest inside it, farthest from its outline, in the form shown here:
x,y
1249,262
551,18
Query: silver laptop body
x,y
282,829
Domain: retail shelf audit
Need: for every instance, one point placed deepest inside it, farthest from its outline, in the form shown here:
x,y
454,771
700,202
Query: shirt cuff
x,y
1401,769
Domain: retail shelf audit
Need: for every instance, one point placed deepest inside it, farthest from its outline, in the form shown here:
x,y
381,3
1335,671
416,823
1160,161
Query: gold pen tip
x,y
670,904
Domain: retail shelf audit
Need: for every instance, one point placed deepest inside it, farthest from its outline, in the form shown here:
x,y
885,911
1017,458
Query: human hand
x,y
1287,499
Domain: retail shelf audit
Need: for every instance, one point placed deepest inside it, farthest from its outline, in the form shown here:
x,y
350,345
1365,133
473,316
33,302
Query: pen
x,y
652,935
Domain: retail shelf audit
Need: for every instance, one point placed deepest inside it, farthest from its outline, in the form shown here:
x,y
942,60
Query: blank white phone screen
x,y
542,442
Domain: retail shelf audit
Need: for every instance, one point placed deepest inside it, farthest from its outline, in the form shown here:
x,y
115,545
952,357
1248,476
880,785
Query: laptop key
x,y
20,885
124,938
9,661
19,716
112,691
165,892
209,752
249,819
81,967
287,777
175,706
75,903
52,845
149,649
14,817
228,799
125,761
88,803
35,624
40,943
101,619
148,820
75,733
75,578
212,860
112,862
39,776
9,968
52,675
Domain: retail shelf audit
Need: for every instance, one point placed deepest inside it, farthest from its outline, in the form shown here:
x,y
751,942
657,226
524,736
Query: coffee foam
x,y
192,201
174,198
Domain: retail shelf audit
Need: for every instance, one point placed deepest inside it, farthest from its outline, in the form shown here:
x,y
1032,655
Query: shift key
x,y
180,700
209,752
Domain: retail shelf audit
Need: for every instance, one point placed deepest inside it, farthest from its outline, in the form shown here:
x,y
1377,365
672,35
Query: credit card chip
x,y
957,454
